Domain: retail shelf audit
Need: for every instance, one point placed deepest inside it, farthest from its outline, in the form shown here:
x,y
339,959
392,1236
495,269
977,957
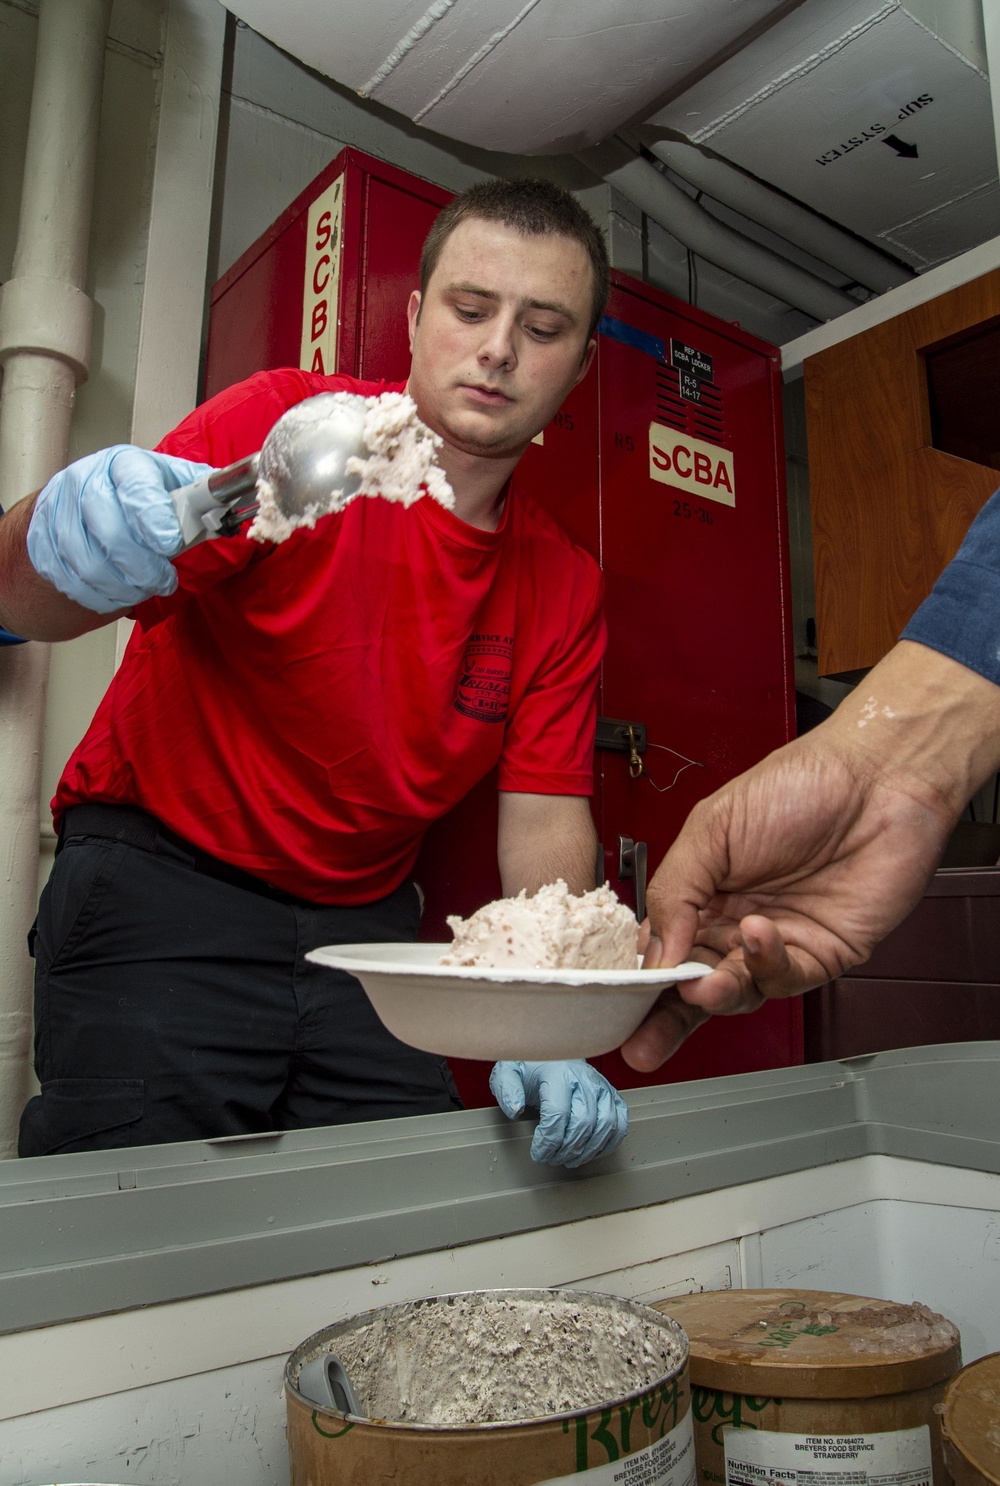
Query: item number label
x,y
763,1457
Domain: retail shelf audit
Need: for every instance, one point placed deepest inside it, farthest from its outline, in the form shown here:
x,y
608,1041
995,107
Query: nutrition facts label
x,y
762,1457
670,1462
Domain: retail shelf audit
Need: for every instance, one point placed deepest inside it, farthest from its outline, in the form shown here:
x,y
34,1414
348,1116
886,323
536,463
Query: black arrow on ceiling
x,y
904,150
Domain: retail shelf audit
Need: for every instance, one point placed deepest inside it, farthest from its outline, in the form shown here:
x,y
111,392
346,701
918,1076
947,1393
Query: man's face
x,y
500,337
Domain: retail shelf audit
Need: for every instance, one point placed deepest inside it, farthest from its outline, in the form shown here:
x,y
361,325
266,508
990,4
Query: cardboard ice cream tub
x,y
815,1386
970,1424
482,1389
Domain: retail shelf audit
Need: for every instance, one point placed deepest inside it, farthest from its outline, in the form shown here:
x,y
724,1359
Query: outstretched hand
x,y
791,874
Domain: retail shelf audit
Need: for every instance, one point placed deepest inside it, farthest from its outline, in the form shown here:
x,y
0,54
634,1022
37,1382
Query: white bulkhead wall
x,y
123,391
46,321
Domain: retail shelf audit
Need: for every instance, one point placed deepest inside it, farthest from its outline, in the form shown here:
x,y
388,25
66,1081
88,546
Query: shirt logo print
x,y
483,687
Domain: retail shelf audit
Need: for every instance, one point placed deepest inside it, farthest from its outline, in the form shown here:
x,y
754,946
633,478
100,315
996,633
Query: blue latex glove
x,y
103,530
580,1115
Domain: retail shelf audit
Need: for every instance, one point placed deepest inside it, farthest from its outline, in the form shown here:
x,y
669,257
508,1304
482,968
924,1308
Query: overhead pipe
x,y
45,334
857,260
711,239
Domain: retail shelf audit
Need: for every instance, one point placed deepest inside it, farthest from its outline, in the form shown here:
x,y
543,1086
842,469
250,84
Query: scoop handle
x,y
325,1381
201,508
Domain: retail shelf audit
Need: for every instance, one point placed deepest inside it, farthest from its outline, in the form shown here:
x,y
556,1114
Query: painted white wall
x,y
146,336
81,669
190,1394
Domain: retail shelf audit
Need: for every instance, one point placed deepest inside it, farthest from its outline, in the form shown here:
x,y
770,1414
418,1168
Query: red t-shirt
x,y
304,711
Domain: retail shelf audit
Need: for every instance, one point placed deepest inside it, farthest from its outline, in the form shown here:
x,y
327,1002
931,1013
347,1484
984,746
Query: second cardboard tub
x,y
815,1388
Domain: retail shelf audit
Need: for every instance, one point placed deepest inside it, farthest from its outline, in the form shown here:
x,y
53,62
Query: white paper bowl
x,y
462,1011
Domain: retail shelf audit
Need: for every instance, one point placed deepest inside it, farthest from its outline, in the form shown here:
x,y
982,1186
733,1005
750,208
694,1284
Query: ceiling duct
x,y
711,239
876,113
795,223
524,76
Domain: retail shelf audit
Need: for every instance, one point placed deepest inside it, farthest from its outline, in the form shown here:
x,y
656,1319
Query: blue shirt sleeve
x,y
961,617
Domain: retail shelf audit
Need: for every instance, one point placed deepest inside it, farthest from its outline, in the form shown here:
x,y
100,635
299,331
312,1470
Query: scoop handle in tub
x,y
325,1381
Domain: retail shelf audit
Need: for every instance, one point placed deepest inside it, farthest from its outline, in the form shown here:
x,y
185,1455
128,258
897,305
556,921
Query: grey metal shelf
x,y
83,1235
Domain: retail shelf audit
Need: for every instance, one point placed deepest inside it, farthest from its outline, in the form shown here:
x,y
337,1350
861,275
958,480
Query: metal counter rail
x,y
83,1235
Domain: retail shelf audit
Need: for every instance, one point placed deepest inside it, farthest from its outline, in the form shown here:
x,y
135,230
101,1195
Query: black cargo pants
x,y
172,1004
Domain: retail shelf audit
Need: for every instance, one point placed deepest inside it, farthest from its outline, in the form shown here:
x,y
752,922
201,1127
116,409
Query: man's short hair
x,y
531,207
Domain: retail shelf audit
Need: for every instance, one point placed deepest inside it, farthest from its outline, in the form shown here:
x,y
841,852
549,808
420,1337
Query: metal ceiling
x,y
875,113
526,76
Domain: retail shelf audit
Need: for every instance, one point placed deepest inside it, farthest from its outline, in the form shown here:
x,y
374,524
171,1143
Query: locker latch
x,y
617,735
633,862
634,761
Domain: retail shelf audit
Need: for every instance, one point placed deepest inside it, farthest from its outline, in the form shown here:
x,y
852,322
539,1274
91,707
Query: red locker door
x,y
369,244
698,649
396,221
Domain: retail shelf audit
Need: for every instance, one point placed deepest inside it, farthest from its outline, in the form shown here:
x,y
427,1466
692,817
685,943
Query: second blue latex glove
x,y
104,529
580,1115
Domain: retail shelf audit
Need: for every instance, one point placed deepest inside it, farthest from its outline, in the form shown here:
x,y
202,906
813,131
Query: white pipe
x,y
792,221
711,239
45,322
180,210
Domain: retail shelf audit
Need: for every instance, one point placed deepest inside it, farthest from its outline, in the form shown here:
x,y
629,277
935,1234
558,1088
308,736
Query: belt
x,y
135,827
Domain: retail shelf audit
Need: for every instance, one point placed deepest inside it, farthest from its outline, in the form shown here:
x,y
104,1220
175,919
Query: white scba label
x,y
763,1457
670,1462
699,468
321,286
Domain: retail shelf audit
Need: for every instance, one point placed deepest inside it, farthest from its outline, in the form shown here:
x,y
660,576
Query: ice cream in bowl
x,y
544,977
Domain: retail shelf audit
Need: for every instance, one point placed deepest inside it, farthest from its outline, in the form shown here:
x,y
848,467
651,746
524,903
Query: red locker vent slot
x,y
706,416
702,420
670,406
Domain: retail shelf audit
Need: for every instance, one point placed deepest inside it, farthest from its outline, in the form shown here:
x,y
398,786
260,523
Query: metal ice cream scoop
x,y
303,459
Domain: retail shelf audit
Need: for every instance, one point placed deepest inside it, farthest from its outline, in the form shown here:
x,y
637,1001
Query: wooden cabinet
x,y
934,979
889,510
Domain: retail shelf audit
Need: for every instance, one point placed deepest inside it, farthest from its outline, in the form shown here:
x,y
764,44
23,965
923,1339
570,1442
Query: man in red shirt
x,y
289,719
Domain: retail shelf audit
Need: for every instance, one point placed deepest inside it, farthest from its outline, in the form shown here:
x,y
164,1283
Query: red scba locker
x,y
666,464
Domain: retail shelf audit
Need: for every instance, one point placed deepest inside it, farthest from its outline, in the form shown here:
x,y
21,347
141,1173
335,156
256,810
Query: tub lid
x,y
813,1343
970,1421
